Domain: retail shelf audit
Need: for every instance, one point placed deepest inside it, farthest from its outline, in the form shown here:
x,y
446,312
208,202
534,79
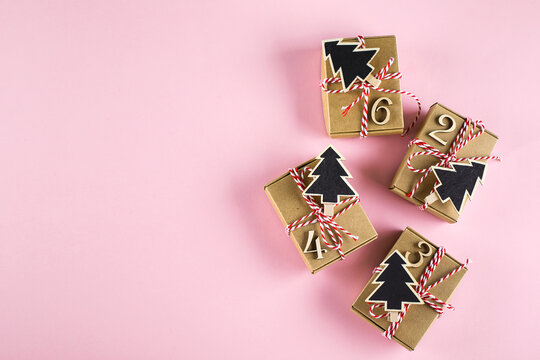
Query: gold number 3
x,y
422,255
452,124
376,108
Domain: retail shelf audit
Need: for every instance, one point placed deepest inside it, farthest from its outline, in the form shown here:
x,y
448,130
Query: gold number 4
x,y
318,249
422,255
451,123
376,108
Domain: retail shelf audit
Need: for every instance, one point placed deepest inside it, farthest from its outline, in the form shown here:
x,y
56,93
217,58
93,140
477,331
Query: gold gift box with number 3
x,y
439,129
419,317
386,118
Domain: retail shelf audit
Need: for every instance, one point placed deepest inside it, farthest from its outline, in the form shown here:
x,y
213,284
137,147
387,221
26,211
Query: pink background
x,y
135,140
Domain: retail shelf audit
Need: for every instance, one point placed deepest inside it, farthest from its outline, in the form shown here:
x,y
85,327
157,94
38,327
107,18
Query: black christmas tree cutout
x,y
330,183
457,183
350,61
395,286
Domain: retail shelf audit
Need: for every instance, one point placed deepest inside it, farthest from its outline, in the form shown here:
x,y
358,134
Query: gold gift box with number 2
x,y
439,129
385,112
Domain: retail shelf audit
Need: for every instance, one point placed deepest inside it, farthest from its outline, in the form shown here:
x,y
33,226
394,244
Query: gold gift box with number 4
x,y
385,112
439,129
290,206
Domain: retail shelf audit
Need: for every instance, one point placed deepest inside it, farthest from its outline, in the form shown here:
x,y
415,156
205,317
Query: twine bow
x,y
366,87
327,223
423,291
466,134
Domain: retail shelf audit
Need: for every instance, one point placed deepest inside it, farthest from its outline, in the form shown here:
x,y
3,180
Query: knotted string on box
x,y
366,87
466,134
423,291
327,223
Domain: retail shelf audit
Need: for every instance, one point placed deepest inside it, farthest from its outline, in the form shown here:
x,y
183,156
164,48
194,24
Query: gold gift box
x,y
338,125
290,206
405,179
418,318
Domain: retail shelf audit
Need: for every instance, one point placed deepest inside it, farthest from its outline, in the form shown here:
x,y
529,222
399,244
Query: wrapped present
x,y
410,289
321,211
360,83
445,164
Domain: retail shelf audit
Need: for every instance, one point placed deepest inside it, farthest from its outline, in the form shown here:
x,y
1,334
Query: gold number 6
x,y
376,107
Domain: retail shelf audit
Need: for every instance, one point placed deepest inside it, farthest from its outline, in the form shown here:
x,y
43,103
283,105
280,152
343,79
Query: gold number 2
x,y
422,255
451,123
376,108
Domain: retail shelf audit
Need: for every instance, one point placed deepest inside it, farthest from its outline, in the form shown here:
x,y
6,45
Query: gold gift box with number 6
x,y
439,129
387,116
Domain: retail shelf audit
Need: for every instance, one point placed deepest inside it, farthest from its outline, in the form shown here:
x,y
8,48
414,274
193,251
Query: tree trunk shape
x,y
328,209
393,316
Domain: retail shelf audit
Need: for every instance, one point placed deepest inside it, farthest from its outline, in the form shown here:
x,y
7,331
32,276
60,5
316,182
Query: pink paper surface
x,y
135,140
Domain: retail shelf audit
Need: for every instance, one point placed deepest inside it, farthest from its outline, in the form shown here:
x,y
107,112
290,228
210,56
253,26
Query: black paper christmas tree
x,y
330,176
395,289
350,60
458,182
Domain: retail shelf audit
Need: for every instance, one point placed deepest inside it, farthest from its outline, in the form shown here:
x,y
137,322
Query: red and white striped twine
x,y
327,223
466,134
366,88
423,291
